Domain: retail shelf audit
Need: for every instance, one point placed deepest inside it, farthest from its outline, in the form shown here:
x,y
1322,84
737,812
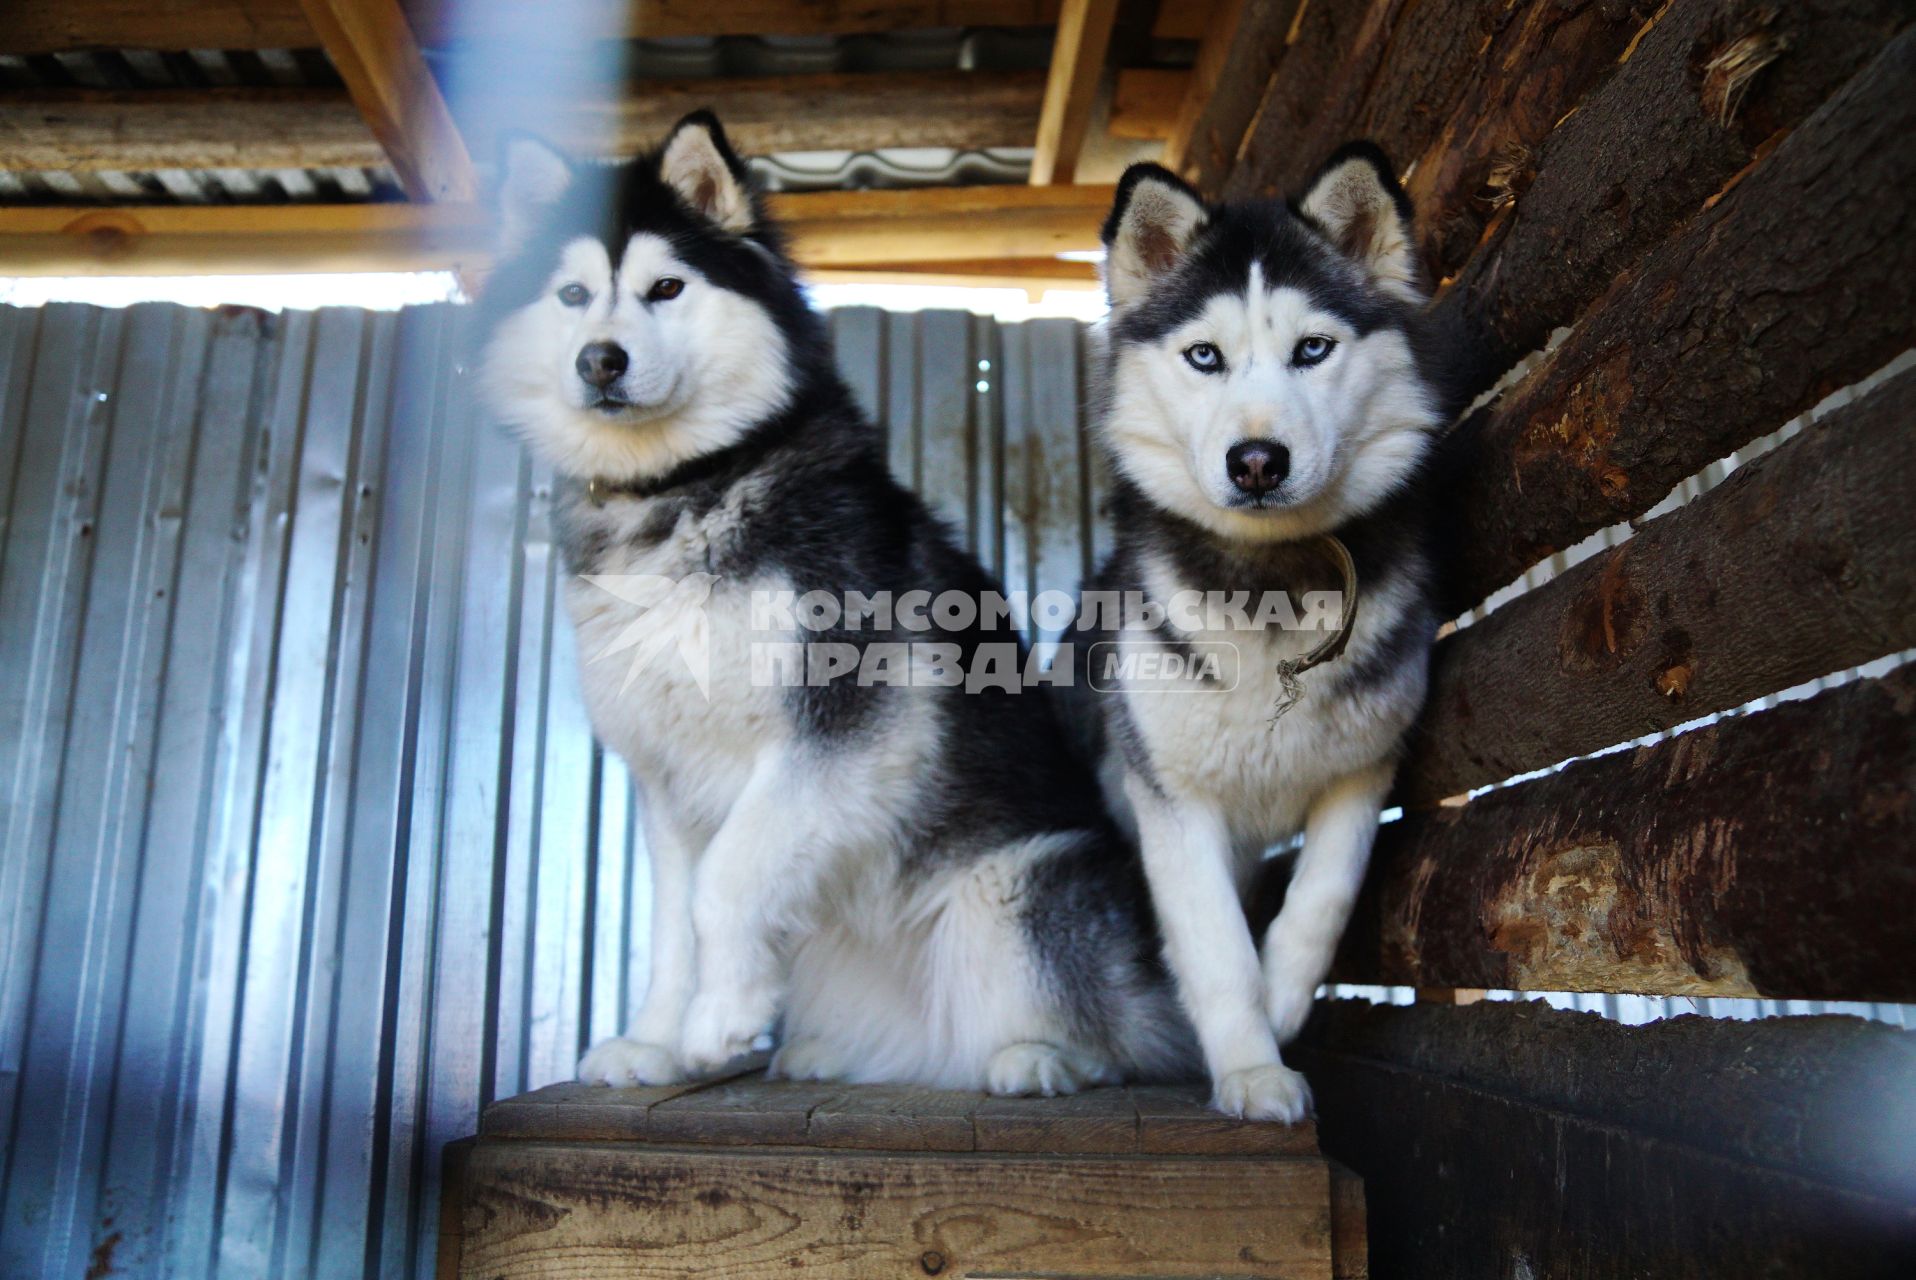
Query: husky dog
x,y
1264,386
921,881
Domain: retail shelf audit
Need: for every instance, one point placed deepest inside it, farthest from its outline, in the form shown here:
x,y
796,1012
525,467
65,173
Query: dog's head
x,y
1263,377
640,315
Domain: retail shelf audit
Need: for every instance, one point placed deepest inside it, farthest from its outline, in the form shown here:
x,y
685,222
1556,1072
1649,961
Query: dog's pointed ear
x,y
699,164
1153,221
533,176
1355,200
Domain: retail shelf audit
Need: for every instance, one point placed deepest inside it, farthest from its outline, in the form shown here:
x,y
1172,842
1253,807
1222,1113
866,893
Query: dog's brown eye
x,y
666,289
575,295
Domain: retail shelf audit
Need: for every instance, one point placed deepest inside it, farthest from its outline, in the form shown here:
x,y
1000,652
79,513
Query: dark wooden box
x,y
752,1178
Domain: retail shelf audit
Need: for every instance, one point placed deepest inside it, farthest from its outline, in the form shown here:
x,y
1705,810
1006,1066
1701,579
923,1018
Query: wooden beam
x,y
67,26
1035,276
1645,134
1182,19
1801,563
1515,1131
442,21
373,48
856,111
1077,66
1145,102
1801,280
89,130
1753,857
64,26
1242,44
845,229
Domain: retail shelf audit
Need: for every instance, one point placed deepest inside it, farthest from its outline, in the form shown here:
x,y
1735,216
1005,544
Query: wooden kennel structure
x,y
1665,230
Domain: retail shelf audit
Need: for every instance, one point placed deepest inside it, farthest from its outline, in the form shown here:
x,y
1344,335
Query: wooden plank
x,y
857,111
1077,67
1243,47
542,1209
452,1207
1182,19
1178,1120
1350,1225
66,26
1100,1121
88,130
372,47
1752,857
1801,563
578,1112
1799,282
828,229
1638,158
1145,102
895,1118
1689,1148
747,1111
440,21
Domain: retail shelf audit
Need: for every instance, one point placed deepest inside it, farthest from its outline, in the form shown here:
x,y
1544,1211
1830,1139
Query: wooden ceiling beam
x,y
66,26
71,26
1077,66
444,21
372,45
1145,102
91,130
1240,52
828,229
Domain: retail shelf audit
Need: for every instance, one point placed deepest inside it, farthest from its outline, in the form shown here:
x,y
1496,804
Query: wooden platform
x,y
749,1178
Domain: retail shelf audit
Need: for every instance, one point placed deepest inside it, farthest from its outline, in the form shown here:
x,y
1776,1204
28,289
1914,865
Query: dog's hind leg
x,y
1301,942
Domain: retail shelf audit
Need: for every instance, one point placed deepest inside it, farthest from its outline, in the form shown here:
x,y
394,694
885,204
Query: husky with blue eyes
x,y
916,882
1266,406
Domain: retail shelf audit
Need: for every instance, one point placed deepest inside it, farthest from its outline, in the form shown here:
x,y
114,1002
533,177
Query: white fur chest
x,y
666,657
1221,746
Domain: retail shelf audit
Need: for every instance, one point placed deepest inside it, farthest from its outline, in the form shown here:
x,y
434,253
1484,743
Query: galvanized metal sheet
x,y
308,849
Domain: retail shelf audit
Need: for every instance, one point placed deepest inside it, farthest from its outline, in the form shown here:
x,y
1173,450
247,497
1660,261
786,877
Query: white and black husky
x,y
1264,387
919,880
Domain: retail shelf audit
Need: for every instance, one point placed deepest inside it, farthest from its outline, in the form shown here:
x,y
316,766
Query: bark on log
x,y
1412,77
1759,856
1642,154
1800,282
1214,117
1802,563
1687,1148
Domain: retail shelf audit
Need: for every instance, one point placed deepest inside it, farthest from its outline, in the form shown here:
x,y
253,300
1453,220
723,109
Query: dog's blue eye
x,y
1312,350
1204,357
575,295
665,289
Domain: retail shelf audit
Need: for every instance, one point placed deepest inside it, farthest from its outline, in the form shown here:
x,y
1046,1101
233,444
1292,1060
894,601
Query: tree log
x,y
1800,281
1692,1148
1759,856
1641,155
84,130
1802,563
1240,53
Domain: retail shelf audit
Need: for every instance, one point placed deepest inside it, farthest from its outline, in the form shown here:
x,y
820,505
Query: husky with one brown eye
x,y
1266,407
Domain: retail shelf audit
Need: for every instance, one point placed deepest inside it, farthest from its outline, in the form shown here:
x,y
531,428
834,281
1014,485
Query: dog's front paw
x,y
630,1062
722,1025
1273,1092
808,1058
1033,1067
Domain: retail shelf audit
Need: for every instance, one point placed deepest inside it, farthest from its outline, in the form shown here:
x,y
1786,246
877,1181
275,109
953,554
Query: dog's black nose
x,y
601,363
1257,466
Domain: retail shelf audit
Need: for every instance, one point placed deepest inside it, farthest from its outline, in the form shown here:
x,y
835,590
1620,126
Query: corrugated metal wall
x,y
307,849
